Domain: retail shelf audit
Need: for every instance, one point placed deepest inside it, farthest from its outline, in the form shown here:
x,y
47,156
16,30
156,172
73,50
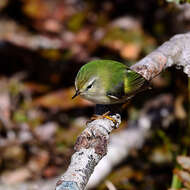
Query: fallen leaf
x,y
61,99
130,51
35,87
50,171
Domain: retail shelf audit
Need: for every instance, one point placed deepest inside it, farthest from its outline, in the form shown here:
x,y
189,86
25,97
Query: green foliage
x,y
176,183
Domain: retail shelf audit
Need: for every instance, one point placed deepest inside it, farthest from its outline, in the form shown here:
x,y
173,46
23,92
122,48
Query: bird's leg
x,y
105,115
105,111
96,116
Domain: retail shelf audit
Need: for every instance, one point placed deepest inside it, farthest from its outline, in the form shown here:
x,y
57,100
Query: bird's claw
x,y
105,115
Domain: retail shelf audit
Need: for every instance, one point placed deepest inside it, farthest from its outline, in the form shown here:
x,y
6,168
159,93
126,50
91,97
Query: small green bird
x,y
108,82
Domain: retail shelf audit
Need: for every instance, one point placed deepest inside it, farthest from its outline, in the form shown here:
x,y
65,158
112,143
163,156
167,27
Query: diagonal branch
x,y
176,51
90,148
91,145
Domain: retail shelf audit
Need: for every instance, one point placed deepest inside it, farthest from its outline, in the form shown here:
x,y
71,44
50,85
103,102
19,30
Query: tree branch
x,y
176,51
134,136
91,145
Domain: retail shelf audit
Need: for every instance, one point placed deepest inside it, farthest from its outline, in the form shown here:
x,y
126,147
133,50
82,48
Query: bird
x,y
108,83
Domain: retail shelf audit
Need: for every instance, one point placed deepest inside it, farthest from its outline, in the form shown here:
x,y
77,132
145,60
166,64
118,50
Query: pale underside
x,y
102,99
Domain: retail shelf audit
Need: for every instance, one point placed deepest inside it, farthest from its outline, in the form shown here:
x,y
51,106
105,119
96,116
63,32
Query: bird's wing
x,y
131,84
116,91
134,82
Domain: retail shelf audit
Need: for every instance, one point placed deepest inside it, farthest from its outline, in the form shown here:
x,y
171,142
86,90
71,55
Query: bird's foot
x,y
105,115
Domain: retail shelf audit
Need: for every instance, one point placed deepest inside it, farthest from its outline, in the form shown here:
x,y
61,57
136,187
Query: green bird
x,y
108,82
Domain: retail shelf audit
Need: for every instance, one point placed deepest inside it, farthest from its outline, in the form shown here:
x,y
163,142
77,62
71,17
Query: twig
x,y
91,145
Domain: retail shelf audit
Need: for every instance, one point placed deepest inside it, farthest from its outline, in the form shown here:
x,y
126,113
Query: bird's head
x,y
96,79
87,81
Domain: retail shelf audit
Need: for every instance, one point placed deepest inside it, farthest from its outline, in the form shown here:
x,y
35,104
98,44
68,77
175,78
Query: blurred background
x,y
43,43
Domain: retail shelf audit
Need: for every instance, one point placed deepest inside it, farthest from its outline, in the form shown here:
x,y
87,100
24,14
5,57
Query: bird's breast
x,y
98,97
101,99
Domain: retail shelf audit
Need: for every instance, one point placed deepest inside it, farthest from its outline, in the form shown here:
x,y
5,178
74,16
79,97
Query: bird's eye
x,y
91,83
89,86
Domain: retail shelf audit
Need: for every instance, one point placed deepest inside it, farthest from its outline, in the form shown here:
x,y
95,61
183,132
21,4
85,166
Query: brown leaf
x,y
48,15
35,87
83,36
130,43
50,171
130,51
61,99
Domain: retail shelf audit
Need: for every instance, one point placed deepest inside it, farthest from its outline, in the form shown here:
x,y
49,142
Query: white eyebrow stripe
x,y
92,81
76,86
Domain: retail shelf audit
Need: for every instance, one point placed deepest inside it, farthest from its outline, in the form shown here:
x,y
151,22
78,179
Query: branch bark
x,y
91,145
176,51
134,136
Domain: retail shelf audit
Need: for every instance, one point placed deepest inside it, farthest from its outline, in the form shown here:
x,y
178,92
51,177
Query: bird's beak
x,y
76,94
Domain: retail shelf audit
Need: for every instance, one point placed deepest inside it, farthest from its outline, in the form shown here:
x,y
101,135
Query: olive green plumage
x,y
107,82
